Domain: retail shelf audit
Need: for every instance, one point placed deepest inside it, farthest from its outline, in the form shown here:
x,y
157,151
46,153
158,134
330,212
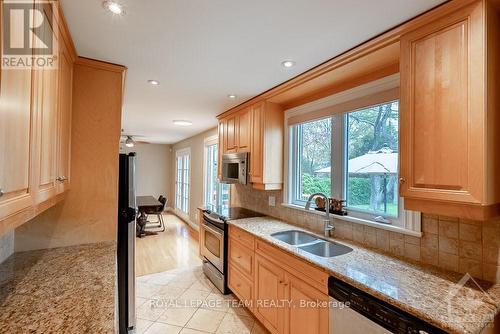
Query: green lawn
x,y
392,209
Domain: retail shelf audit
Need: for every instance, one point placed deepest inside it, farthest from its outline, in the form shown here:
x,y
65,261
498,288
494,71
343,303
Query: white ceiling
x,y
203,50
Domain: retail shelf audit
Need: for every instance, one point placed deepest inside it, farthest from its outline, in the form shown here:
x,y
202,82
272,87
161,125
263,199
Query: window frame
x,y
181,154
407,221
211,141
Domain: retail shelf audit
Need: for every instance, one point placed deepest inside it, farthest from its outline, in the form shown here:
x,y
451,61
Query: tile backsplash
x,y
450,243
6,245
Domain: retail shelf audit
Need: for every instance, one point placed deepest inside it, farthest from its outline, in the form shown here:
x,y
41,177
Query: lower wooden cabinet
x,y
270,294
308,311
267,279
241,286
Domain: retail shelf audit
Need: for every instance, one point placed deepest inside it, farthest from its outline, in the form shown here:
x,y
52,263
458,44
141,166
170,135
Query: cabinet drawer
x,y
315,277
241,257
240,286
245,238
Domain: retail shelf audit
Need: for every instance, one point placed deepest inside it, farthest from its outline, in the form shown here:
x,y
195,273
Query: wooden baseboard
x,y
192,231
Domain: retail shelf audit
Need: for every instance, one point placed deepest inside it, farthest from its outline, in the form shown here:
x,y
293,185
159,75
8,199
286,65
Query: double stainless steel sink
x,y
312,244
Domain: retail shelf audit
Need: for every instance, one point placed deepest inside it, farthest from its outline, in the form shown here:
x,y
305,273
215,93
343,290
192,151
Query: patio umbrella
x,y
381,162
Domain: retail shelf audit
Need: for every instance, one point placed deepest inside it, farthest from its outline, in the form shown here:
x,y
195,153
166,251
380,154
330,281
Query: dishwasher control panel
x,y
388,316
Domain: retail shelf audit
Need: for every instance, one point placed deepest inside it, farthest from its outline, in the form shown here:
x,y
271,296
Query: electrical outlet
x,y
272,201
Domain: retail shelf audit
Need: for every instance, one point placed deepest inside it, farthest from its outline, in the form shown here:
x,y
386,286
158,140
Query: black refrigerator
x,y
127,213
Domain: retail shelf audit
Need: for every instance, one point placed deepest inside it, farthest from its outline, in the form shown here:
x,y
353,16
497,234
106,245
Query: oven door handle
x,y
211,229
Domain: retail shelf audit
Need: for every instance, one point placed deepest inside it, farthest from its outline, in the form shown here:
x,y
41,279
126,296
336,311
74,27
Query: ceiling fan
x,y
130,140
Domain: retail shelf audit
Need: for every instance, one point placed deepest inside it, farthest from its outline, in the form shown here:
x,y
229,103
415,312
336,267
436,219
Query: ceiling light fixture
x,y
232,96
288,63
113,7
183,123
154,82
129,142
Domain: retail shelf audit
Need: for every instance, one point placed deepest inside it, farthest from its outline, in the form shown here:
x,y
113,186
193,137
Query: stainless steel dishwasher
x,y
356,312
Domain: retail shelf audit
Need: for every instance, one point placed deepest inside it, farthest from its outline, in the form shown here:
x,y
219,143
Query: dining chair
x,y
159,214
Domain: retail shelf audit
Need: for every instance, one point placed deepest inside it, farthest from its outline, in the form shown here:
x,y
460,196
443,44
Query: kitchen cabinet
x,y
448,114
266,160
237,131
259,130
231,134
244,130
35,131
308,312
16,142
221,149
270,292
45,104
267,279
64,127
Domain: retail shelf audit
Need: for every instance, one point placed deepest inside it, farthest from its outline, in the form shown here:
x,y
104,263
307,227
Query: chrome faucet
x,y
328,228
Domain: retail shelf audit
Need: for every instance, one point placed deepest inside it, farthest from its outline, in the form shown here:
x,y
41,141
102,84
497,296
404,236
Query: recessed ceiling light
x,y
232,96
288,63
113,7
183,123
154,82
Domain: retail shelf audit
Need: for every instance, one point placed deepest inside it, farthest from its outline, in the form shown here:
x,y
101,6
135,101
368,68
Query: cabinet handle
x,y
402,180
61,178
1,192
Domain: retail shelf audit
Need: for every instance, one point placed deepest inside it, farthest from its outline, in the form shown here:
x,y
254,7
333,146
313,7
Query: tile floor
x,y
184,301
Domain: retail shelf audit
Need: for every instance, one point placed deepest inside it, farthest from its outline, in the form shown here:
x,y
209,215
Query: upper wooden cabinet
x,y
237,132
16,142
244,130
257,129
449,108
64,128
35,131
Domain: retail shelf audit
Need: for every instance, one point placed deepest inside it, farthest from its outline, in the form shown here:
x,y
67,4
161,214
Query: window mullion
x,y
338,157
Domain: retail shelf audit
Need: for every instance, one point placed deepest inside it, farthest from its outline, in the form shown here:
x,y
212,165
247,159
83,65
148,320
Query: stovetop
x,y
226,213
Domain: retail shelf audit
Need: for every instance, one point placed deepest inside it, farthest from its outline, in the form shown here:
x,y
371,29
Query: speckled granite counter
x,y
447,300
62,290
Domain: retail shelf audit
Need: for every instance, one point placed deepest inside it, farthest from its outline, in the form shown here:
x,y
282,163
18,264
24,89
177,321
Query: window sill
x,y
359,221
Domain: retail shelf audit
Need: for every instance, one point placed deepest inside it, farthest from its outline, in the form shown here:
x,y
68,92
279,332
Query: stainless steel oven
x,y
213,250
235,168
213,245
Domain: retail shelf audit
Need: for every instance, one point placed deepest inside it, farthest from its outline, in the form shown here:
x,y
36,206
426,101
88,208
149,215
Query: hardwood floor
x,y
174,248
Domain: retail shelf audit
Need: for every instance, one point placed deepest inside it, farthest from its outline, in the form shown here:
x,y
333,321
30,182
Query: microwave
x,y
234,168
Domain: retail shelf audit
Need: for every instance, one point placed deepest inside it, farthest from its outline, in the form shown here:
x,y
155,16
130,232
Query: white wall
x,y
153,166
197,147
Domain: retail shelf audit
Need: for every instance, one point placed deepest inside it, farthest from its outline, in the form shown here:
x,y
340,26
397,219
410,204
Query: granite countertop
x,y
61,290
450,301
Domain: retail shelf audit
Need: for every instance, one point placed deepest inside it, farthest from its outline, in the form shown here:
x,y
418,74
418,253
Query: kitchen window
x,y
215,193
351,155
182,180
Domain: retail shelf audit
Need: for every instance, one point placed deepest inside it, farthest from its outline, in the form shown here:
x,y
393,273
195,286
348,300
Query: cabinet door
x,y
64,141
442,109
256,157
16,142
244,128
221,149
16,139
308,311
231,134
47,119
269,293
